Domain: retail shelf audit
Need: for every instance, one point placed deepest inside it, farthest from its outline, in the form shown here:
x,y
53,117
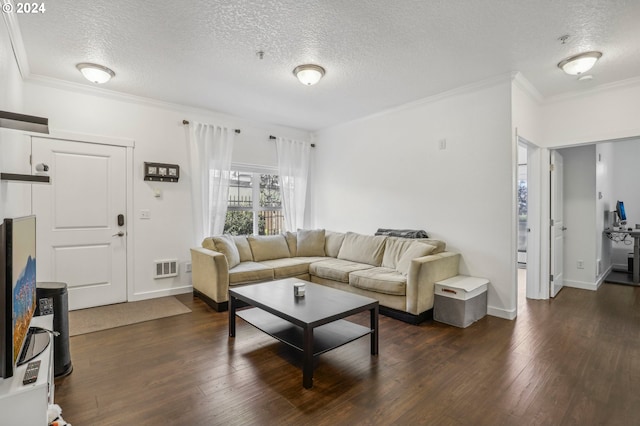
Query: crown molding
x,y
93,90
15,36
525,85
469,88
621,84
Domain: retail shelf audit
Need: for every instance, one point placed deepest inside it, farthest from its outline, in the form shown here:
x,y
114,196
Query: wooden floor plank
x,y
572,360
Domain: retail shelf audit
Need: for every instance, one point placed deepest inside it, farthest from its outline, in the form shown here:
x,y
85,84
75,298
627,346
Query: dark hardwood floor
x,y
572,360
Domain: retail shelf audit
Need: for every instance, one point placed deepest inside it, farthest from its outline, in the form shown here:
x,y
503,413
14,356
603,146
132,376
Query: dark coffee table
x,y
312,324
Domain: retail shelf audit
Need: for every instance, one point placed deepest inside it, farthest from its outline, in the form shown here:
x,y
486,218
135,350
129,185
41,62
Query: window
x,y
254,204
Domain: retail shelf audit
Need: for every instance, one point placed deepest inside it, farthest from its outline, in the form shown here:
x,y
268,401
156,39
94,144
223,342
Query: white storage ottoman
x,y
460,300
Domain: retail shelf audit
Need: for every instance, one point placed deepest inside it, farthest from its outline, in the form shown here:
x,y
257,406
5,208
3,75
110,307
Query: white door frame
x,y
129,145
557,228
534,198
545,222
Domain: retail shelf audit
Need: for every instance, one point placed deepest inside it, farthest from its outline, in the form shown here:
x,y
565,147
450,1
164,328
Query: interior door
x,y
557,224
81,224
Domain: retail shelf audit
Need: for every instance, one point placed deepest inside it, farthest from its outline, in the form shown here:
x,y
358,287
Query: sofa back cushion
x,y
267,247
208,243
292,242
438,244
225,245
413,251
394,247
360,248
243,248
333,242
310,242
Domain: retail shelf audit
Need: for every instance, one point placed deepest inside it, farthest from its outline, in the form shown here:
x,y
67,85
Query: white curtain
x,y
293,172
210,149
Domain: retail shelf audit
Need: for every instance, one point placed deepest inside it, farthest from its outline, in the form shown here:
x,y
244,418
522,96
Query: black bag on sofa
x,y
404,233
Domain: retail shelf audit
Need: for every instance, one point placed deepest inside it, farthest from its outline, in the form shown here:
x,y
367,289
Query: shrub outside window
x,y
254,204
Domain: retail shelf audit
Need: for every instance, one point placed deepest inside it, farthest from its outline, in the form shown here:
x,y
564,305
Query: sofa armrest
x,y
423,274
210,274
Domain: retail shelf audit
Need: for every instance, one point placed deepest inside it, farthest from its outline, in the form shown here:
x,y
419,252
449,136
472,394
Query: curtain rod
x,y
271,137
185,122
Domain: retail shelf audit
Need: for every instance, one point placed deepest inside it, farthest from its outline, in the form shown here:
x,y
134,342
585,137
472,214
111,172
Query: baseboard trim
x,y
502,313
159,293
583,285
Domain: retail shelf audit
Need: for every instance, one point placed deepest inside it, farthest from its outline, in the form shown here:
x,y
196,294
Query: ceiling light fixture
x,y
95,73
578,64
309,74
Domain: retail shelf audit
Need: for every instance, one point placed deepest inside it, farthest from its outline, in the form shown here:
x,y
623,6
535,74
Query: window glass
x,y
254,204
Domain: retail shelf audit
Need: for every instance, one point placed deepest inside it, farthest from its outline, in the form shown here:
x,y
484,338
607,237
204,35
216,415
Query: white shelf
x,y
27,404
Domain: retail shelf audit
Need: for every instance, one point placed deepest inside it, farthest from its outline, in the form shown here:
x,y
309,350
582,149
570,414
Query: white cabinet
x,y
27,404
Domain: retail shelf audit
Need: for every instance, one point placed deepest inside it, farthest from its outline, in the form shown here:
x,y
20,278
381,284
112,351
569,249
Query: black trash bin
x,y
52,298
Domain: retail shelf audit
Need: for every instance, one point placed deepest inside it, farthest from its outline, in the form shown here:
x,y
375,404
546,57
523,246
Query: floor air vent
x,y
166,268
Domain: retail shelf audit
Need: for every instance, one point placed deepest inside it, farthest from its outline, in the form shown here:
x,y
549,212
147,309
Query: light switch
x,y
145,214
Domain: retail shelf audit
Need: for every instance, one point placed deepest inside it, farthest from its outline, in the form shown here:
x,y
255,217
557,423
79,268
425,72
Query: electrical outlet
x,y
580,264
187,267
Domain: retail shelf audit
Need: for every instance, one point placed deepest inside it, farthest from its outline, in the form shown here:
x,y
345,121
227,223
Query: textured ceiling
x,y
378,54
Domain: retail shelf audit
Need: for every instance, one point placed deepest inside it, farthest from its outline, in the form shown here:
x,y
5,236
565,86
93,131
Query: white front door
x,y
557,224
81,242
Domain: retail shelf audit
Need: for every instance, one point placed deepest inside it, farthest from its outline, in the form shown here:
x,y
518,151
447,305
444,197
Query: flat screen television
x,y
17,288
622,215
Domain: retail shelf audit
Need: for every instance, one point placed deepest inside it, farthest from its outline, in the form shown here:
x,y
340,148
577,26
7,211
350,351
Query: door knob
x,y
119,234
564,228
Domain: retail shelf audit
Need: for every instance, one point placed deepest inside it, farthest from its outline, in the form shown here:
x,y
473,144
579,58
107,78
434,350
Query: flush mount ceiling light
x,y
95,73
309,74
578,64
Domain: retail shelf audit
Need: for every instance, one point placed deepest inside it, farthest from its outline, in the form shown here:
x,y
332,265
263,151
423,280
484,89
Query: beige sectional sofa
x,y
400,273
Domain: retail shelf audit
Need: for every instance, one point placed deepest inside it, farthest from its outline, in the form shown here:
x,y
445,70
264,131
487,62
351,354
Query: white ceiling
x,y
378,54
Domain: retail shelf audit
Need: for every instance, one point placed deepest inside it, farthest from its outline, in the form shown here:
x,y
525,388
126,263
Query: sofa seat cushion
x,y
380,280
336,269
248,272
290,267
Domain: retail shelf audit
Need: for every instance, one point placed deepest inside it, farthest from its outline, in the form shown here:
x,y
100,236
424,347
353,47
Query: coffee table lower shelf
x,y
325,337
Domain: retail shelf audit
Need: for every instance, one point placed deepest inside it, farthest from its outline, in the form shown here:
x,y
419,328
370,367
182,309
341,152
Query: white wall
x,y
605,203
526,118
159,136
603,114
626,187
590,194
388,171
606,113
14,150
579,215
526,110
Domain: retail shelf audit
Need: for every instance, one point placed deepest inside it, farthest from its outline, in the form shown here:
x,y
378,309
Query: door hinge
x,y
30,160
552,167
552,222
551,277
